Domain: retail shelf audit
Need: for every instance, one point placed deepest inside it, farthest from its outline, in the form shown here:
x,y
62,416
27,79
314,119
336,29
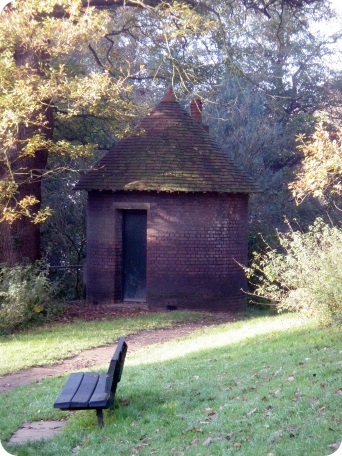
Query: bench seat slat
x,y
102,396
70,389
85,391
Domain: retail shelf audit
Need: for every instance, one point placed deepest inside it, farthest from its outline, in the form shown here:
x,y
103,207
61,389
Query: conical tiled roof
x,y
169,152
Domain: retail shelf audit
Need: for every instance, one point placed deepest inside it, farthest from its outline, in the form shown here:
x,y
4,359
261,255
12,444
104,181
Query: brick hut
x,y
167,216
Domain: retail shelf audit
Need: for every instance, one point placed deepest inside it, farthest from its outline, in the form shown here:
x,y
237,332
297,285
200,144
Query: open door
x,y
134,242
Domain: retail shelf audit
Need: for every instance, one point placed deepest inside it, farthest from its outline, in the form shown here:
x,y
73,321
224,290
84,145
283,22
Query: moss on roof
x,y
169,152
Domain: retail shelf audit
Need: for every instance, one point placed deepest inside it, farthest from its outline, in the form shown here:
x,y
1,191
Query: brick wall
x,y
194,245
100,248
194,242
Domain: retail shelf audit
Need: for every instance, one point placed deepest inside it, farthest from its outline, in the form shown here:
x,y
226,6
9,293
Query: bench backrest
x,y
117,362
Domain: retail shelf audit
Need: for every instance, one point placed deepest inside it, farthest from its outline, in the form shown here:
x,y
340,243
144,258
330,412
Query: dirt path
x,y
99,356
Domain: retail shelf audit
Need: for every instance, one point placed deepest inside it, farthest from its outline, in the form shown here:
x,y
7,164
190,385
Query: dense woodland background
x,y
75,76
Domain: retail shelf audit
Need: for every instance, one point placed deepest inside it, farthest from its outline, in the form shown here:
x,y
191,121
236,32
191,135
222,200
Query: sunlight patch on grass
x,y
218,336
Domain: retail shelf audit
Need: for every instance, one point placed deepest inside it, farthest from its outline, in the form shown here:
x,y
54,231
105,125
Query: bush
x,y
306,275
25,295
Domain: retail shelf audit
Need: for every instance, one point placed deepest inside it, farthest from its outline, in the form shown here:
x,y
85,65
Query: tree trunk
x,y
20,241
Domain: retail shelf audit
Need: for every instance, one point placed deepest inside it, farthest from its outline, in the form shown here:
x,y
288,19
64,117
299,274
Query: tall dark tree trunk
x,y
20,240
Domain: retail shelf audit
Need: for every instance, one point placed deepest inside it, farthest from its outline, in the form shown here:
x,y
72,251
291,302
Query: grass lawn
x,y
261,387
45,346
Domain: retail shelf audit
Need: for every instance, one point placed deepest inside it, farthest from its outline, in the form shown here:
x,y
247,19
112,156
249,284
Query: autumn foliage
x,y
305,273
321,174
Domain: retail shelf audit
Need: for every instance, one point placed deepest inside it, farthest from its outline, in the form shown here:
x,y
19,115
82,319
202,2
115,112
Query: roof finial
x,y
169,95
196,109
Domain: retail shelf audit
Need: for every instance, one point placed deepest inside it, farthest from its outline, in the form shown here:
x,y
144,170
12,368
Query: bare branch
x,y
136,3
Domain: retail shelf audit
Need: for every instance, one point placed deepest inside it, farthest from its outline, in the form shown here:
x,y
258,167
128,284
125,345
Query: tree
x,y
63,235
282,79
321,173
41,84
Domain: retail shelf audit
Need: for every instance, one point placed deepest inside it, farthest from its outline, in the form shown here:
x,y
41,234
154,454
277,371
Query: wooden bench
x,y
91,391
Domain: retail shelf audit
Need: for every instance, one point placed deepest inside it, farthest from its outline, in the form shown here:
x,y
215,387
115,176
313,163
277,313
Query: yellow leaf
x,y
38,309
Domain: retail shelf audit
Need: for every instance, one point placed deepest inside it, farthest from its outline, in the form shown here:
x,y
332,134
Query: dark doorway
x,y
134,240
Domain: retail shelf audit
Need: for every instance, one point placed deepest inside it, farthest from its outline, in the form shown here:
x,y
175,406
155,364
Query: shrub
x,y
305,275
25,295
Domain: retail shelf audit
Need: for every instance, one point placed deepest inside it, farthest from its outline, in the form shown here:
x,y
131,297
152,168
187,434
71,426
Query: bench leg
x,y
99,415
